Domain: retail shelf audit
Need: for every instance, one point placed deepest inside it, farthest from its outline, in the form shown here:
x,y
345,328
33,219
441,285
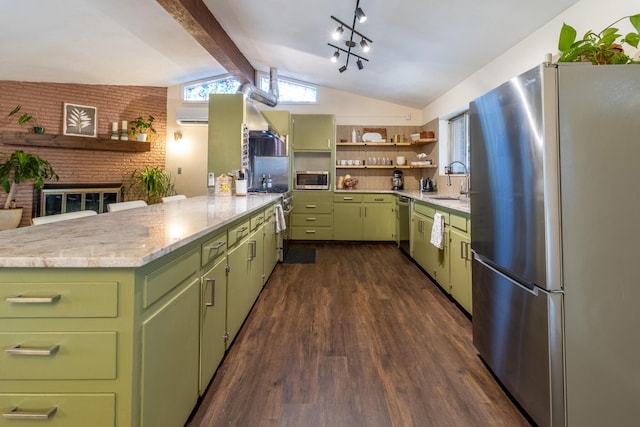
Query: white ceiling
x,y
420,48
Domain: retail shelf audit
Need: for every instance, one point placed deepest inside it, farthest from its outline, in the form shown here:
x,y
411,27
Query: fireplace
x,y
62,198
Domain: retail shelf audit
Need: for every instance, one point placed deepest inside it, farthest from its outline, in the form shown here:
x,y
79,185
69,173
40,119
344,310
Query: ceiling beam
x,y
196,18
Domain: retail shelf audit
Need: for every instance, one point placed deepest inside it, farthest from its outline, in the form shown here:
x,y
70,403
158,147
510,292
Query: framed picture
x,y
80,120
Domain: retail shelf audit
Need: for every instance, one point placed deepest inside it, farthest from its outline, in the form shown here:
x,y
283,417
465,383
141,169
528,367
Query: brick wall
x,y
114,104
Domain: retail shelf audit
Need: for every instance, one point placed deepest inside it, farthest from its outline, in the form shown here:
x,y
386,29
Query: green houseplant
x,y
150,184
17,168
605,47
140,127
23,118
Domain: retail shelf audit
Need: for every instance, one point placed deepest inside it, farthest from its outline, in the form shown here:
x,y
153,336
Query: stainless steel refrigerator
x,y
555,214
268,169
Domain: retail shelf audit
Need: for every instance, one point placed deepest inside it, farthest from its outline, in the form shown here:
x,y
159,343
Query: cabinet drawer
x,y
347,198
378,198
167,277
82,299
78,355
237,233
257,220
459,222
66,410
214,248
312,207
311,233
430,211
319,220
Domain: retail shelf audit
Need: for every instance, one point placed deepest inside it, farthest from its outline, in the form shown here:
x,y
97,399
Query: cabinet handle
x,y
216,247
347,198
253,244
311,206
243,229
365,211
212,281
19,299
462,251
45,414
328,142
32,351
378,199
467,251
310,219
310,231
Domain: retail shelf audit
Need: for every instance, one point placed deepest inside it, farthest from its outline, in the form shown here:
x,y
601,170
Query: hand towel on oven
x,y
437,231
280,223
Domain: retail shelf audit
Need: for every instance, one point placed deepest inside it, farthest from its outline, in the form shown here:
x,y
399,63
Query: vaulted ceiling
x,y
420,48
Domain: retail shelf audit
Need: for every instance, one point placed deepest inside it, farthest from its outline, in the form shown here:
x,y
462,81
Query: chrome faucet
x,y
464,189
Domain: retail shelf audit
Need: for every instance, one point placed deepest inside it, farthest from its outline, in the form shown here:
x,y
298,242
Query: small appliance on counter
x,y
428,185
397,181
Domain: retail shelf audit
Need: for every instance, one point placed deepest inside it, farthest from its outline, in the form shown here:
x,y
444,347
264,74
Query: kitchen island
x,y
120,319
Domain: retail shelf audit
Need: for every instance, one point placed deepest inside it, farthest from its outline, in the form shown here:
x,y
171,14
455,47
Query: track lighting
x,y
349,43
364,45
338,33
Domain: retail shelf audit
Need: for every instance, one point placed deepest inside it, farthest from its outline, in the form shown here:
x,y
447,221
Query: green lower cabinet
x,y
368,217
213,319
460,269
420,247
238,288
271,253
256,256
170,352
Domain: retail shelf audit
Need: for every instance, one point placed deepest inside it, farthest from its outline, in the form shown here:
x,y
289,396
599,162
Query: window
x,y
199,91
459,142
290,92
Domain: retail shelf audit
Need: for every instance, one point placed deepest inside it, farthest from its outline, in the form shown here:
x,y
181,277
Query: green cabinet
x,y
368,217
312,215
256,261
271,250
213,320
460,261
238,279
313,132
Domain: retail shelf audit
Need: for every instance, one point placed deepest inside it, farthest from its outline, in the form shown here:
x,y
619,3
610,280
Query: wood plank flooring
x,y
360,338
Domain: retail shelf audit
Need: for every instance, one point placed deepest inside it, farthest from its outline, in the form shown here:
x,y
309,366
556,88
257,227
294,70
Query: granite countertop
x,y
459,203
129,238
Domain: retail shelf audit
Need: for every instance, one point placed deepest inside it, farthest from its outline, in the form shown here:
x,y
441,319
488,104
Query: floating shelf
x,y
73,142
385,167
398,144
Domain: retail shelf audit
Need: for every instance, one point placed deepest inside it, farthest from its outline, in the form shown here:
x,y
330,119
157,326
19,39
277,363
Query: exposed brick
x,y
114,104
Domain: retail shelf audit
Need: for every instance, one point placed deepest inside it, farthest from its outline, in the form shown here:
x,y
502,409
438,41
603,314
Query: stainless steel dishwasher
x,y
403,223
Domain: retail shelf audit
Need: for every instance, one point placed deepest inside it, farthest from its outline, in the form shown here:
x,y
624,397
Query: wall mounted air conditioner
x,y
196,115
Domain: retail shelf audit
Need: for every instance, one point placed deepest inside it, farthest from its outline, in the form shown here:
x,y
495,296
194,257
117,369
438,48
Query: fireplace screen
x,y
54,200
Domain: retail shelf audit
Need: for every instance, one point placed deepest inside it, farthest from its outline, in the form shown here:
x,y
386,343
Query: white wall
x,y
583,16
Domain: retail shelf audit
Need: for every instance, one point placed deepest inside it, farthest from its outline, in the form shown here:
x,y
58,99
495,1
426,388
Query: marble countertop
x,y
459,203
129,238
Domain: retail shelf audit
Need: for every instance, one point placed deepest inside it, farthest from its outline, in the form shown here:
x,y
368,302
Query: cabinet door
x,y
238,285
418,244
213,318
256,258
460,269
270,247
170,353
313,132
378,222
437,260
347,221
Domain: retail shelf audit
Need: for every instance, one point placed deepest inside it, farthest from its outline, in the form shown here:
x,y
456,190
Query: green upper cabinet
x,y
313,132
279,121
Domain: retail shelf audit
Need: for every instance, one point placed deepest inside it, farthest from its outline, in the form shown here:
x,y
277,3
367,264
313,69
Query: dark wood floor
x,y
360,338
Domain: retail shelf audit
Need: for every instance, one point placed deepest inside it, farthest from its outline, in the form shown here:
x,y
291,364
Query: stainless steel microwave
x,y
311,180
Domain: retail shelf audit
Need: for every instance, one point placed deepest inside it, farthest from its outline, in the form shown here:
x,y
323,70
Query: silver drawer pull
x,y
310,219
32,351
216,247
19,299
311,206
378,200
347,198
310,231
45,414
212,282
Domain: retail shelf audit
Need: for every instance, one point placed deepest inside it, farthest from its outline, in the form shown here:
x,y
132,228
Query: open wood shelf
x,y
73,142
398,144
385,167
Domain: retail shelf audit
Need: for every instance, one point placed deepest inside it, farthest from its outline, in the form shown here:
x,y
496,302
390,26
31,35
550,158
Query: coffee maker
x,y
397,182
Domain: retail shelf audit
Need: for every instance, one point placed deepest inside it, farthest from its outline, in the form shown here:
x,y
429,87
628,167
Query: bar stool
x,y
61,217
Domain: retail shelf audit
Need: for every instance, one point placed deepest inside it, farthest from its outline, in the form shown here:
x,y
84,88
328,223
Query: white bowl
x,y
415,136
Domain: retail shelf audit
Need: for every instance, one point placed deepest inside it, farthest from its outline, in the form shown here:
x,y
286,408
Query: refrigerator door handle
x,y
533,291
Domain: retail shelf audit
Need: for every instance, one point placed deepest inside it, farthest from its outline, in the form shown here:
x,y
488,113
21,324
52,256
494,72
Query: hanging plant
x,y
605,47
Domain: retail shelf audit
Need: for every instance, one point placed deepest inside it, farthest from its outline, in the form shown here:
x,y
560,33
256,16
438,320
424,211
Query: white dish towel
x,y
280,223
437,231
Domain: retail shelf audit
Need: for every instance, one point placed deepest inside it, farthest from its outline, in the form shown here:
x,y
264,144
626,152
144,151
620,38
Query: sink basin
x,y
445,197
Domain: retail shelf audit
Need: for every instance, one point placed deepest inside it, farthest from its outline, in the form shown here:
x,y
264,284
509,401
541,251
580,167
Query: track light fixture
x,y
358,16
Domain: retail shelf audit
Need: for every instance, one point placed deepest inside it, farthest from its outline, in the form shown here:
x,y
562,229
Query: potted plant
x,y
23,118
17,168
605,47
36,126
150,184
140,127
